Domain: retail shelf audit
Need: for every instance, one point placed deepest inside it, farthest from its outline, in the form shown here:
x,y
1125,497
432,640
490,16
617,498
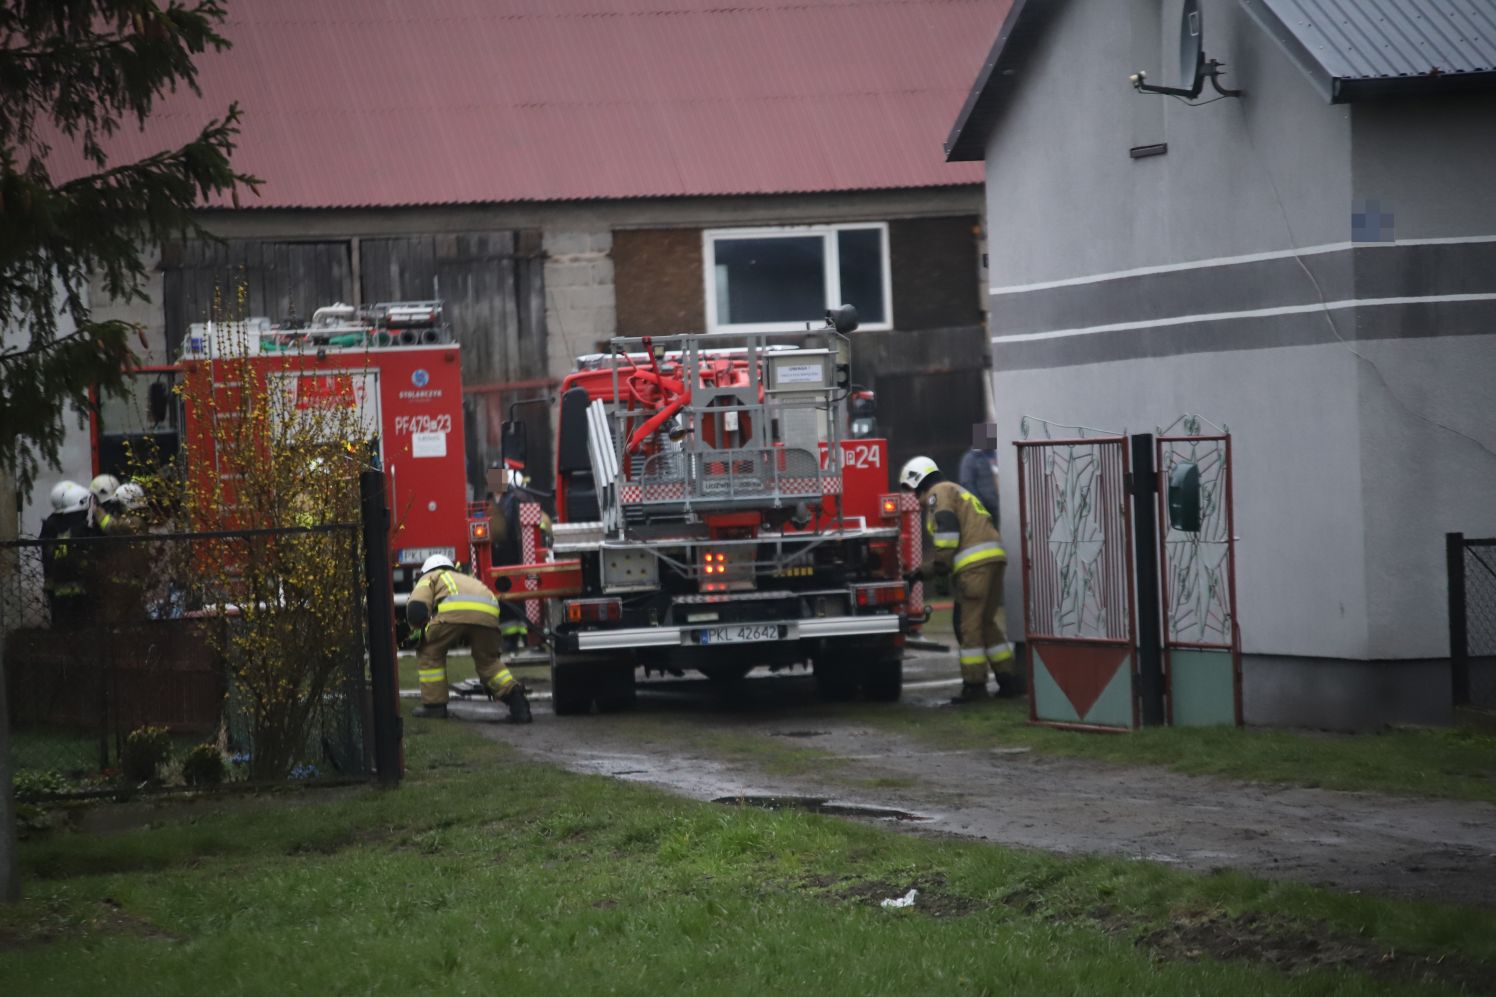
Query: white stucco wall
x,y
1301,583
1064,199
1269,172
1428,405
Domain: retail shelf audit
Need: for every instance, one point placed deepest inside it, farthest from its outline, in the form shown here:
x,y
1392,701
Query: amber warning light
x,y
888,505
478,530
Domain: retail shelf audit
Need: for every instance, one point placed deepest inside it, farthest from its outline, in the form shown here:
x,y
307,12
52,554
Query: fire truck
x,y
712,515
397,362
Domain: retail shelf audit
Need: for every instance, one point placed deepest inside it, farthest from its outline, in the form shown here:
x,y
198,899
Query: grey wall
x,y
1065,199
1428,404
1362,433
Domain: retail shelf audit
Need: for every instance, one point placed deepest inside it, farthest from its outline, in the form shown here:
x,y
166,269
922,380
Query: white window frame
x,y
830,262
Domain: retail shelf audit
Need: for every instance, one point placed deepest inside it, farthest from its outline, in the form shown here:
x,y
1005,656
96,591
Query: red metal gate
x,y
1076,529
1201,636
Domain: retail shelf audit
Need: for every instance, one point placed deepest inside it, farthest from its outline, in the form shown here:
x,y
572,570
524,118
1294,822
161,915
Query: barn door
x,y
494,290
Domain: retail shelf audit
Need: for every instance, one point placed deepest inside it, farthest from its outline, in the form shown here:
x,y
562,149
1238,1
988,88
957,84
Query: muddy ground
x,y
1437,849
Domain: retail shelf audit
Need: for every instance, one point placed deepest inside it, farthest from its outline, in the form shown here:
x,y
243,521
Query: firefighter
x,y
968,547
506,547
446,606
105,512
62,564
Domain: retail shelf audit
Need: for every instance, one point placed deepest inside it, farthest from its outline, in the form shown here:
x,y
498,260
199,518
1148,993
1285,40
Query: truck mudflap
x,y
695,635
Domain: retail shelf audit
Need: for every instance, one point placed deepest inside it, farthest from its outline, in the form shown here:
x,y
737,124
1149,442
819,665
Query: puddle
x,y
819,805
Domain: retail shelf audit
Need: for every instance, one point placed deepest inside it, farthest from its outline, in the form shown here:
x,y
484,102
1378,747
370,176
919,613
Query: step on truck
x,y
712,514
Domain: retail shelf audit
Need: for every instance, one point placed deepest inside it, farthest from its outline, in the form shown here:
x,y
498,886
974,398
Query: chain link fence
x,y
1472,620
192,639
1480,621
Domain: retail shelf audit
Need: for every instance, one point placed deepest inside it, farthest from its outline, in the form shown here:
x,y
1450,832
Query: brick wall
x,y
659,281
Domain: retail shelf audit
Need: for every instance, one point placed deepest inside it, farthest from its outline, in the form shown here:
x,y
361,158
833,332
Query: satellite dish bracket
x,y
1207,69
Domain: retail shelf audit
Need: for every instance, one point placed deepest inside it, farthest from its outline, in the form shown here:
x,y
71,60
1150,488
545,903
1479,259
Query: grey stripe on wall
x,y
1355,273
1362,272
1401,321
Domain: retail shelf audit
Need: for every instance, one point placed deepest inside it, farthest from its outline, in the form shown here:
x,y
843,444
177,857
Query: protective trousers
x,y
486,644
983,637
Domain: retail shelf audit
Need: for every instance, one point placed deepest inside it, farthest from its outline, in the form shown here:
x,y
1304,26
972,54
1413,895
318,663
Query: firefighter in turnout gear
x,y
63,563
446,606
969,547
507,489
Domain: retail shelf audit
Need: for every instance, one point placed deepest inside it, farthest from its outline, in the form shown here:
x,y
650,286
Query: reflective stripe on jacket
x,y
457,598
960,528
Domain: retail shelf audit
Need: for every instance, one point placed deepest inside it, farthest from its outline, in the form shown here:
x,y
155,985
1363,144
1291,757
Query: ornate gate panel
x,y
1077,579
1201,638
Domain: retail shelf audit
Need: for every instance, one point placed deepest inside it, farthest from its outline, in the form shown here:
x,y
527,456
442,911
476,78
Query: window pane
x,y
770,280
861,252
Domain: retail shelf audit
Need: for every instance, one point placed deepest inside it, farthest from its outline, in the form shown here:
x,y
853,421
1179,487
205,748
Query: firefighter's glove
x,y
910,577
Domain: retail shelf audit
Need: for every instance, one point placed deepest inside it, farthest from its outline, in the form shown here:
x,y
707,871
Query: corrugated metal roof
x,y
382,102
1356,48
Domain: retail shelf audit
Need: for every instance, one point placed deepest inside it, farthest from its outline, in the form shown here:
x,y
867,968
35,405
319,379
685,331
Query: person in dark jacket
x,y
977,472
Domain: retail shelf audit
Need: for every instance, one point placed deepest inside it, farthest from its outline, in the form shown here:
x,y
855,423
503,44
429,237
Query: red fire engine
x,y
710,515
397,362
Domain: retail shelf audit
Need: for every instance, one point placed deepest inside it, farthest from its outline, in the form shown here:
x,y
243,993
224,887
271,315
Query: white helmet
x,y
60,494
104,487
915,471
436,561
75,499
130,495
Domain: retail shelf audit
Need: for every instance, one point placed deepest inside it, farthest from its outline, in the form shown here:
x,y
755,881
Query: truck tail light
x,y
594,610
888,506
879,594
478,530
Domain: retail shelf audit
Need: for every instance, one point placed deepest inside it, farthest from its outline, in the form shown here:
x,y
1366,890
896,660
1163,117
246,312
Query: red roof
x,y
351,103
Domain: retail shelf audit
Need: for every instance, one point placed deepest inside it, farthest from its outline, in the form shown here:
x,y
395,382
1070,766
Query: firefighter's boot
x,y
519,706
1010,685
971,692
431,711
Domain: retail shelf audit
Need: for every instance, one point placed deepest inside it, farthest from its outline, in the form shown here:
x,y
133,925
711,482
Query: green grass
x,y
488,873
1454,763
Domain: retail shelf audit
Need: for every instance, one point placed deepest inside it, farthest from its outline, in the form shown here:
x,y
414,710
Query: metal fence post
x,y
380,610
1459,633
1145,547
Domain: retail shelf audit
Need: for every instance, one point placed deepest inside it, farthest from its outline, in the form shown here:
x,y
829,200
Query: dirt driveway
x,y
770,740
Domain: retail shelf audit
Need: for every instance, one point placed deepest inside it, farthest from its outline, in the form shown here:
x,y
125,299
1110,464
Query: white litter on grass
x,y
907,900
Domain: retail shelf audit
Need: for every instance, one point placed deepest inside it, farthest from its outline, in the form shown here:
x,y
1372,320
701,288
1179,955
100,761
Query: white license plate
x,y
742,634
417,555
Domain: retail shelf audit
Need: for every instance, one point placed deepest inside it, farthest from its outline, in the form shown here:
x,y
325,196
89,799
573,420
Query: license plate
x,y
742,634
417,555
